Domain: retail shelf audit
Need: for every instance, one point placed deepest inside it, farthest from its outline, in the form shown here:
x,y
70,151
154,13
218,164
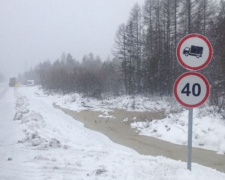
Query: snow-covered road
x,y
3,90
44,143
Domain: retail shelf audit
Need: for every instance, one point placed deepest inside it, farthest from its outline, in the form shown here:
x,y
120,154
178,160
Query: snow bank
x,y
208,129
77,102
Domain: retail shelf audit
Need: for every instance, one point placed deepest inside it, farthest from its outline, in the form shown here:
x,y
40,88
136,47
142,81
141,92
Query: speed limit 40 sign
x,y
191,89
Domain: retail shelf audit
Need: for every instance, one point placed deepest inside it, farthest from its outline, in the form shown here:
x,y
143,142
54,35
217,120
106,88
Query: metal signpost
x,y
191,89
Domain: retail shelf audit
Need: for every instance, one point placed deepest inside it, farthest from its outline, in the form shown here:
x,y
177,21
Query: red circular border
x,y
210,52
194,74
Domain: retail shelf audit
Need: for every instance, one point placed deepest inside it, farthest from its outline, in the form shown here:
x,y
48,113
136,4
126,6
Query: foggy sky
x,y
32,31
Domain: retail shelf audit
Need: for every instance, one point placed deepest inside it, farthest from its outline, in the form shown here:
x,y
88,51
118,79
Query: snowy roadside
x,y
208,127
44,143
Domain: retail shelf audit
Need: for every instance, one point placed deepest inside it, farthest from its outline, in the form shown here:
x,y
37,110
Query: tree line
x,y
145,53
90,77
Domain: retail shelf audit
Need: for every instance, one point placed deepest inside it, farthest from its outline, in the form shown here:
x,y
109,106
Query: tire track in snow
x,y
3,90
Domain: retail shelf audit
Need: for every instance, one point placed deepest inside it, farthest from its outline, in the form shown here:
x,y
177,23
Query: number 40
x,y
196,89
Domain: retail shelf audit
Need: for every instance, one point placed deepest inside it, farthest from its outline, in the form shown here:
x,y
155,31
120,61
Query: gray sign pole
x,y
190,124
190,65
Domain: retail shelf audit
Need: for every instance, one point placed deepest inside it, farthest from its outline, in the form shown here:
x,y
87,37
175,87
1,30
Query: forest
x,y
144,54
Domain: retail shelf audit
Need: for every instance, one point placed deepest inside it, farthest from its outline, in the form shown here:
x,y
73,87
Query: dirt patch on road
x,y
118,130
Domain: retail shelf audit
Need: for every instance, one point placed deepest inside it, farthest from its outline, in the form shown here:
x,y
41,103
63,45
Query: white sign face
x,y
194,52
191,89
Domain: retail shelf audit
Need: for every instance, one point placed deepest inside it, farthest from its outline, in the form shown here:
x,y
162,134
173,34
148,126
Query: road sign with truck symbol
x,y
191,89
194,52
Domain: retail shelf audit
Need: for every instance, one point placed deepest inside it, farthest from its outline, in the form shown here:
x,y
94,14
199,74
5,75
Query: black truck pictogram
x,y
193,51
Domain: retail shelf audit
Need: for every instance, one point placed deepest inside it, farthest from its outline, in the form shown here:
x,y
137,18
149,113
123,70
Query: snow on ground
x,y
40,142
139,103
208,127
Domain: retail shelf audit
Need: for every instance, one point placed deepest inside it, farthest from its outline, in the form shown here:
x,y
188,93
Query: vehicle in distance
x,y
30,82
193,51
12,82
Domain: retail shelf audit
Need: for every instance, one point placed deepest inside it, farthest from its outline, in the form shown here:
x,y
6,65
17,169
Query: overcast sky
x,y
32,31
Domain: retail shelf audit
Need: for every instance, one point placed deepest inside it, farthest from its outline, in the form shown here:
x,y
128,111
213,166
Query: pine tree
x,y
120,50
